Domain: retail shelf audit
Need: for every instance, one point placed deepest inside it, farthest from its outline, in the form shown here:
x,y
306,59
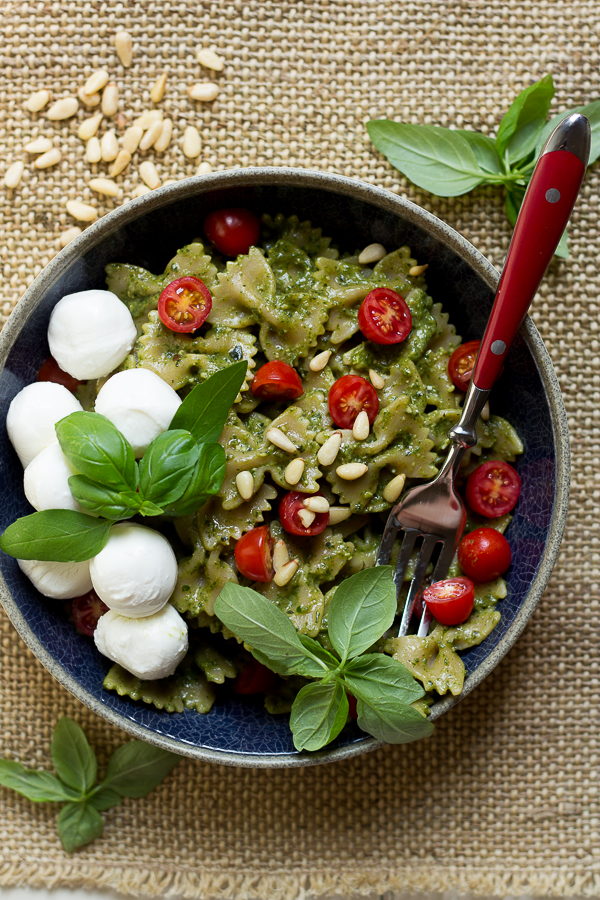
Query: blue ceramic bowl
x,y
147,231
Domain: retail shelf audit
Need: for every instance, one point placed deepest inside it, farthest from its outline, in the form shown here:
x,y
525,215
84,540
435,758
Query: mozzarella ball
x,y
150,647
33,414
90,333
46,480
61,581
135,572
140,404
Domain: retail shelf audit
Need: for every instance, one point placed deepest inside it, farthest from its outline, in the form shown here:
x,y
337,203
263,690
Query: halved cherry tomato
x,y
289,508
462,363
277,381
450,601
348,396
384,317
86,611
254,554
51,371
184,304
493,488
352,711
232,231
255,679
484,554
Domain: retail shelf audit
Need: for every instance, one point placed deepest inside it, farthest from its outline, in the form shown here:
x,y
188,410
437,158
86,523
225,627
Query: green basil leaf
x,y
205,482
39,786
103,499
484,149
361,610
78,824
272,638
522,125
148,508
392,722
59,535
73,758
104,798
592,111
167,466
96,448
381,679
512,205
320,652
562,251
318,714
205,409
137,768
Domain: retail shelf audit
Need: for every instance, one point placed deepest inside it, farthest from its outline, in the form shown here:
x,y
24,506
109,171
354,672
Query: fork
x,y
434,512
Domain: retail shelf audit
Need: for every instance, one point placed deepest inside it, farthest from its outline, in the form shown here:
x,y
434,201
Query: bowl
x,y
146,232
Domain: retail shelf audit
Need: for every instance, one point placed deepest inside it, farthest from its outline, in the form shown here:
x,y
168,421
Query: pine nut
x,y
417,270
281,440
206,91
121,121
164,138
67,236
361,427
37,100
330,449
294,470
121,162
286,572
204,168
140,190
110,99
51,158
151,136
158,89
339,514
89,100
124,47
485,412
319,361
394,488
63,109
96,81
316,504
148,118
104,186
210,60
191,142
132,137
280,555
351,471
110,146
170,181
306,517
13,174
89,127
149,175
376,380
81,211
39,145
245,484
372,254
93,151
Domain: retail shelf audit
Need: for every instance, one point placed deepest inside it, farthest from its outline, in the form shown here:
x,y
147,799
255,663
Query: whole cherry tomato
x,y
384,317
348,396
255,679
493,488
450,601
289,508
484,554
277,381
462,363
254,554
86,611
232,231
51,371
352,711
184,304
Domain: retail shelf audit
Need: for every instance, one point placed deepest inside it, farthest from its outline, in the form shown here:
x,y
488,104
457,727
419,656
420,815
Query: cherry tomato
x,y
484,554
86,611
51,371
450,601
384,317
462,363
348,396
254,554
289,508
493,488
277,381
232,231
255,679
352,711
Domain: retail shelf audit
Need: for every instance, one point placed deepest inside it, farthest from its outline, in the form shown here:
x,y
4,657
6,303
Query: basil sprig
x,y
361,610
134,770
450,162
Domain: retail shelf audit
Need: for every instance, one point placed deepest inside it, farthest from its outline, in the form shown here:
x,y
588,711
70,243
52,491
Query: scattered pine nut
x,y
51,158
96,81
306,517
158,88
206,91
361,427
351,471
319,361
376,379
245,485
204,168
417,270
140,190
148,118
330,449
89,100
210,60
39,145
89,127
93,150
280,555
132,137
151,136
170,181
121,120
372,254
63,109
316,504
149,175
104,186
121,162
485,412
339,514
13,174
164,138
294,470
81,211
394,488
110,146
37,100
110,99
67,236
124,47
191,142
281,440
286,572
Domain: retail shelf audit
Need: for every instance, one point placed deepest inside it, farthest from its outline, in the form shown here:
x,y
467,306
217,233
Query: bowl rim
x,y
446,235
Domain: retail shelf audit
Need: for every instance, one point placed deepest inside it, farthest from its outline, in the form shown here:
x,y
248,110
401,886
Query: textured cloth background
x,y
504,797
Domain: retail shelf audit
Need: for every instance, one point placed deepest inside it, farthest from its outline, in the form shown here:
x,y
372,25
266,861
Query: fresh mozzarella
x,y
46,480
33,414
90,333
140,404
150,647
136,571
61,581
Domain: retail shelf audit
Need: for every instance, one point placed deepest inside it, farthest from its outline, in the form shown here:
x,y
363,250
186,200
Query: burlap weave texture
x,y
504,797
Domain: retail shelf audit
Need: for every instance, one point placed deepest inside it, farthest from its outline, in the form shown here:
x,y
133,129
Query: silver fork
x,y
434,512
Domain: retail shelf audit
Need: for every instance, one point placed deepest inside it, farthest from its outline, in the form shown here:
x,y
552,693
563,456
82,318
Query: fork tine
x,y
406,548
429,542
439,573
387,542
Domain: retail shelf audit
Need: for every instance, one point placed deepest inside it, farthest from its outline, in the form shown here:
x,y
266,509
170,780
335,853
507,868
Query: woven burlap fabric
x,y
503,798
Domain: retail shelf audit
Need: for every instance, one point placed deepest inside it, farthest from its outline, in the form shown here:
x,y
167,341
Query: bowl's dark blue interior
x,y
241,729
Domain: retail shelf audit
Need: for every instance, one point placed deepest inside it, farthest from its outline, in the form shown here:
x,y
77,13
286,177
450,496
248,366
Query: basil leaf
x,y
320,652
78,824
562,251
36,785
361,610
205,482
484,149
512,205
148,508
522,125
104,798
318,714
167,466
59,535
205,409
381,679
96,448
272,638
392,722
137,768
592,111
103,499
73,758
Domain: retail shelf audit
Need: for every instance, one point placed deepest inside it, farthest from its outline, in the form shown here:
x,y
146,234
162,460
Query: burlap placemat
x,y
503,798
